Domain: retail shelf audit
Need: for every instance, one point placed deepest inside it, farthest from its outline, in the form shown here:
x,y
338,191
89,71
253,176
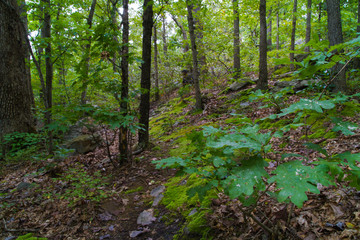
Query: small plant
x,y
83,187
30,236
272,100
235,161
17,143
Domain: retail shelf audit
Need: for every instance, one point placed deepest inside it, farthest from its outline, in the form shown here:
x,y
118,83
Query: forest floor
x,y
35,196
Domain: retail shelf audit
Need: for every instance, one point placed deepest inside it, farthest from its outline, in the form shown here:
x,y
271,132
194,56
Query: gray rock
x,y
240,84
157,200
24,185
193,212
146,217
156,191
84,143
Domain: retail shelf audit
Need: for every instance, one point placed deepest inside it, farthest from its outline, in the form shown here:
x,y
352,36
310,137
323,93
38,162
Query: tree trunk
x,y
123,134
87,52
157,95
237,69
308,25
263,81
15,95
146,74
293,31
357,59
335,37
186,46
48,71
198,103
269,30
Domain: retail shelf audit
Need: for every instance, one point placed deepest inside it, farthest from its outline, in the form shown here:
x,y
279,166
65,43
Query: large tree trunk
x,y
237,69
123,134
293,31
263,74
191,22
15,94
146,74
308,25
335,37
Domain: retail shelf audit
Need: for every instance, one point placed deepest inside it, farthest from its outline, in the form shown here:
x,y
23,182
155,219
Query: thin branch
x,y
18,230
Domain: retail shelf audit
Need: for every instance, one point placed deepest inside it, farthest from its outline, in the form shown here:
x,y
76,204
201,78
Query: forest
x,y
179,119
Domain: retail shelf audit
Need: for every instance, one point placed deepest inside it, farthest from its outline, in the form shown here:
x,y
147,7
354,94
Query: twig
x,y
322,93
257,220
18,230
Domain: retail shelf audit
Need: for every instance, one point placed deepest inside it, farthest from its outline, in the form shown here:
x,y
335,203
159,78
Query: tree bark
x,y
15,95
335,37
191,22
308,25
293,31
146,74
237,69
123,133
263,74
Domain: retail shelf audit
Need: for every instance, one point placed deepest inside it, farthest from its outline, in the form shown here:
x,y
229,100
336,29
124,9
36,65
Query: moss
x,y
134,190
176,198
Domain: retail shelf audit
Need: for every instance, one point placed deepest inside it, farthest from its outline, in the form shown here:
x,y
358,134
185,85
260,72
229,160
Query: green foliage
x,y
21,145
30,236
134,190
82,186
235,160
272,100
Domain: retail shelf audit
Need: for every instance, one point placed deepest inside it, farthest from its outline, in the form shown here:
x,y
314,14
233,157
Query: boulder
x,y
296,84
84,143
240,84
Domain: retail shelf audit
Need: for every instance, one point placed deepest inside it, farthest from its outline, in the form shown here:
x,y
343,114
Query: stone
x,y
146,217
240,84
24,185
156,191
157,200
84,143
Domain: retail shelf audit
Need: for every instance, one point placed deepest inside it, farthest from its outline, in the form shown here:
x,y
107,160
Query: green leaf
x,y
244,178
169,162
346,128
294,179
218,161
316,147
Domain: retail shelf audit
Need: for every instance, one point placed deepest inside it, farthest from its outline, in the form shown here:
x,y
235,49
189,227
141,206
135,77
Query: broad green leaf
x,y
218,161
316,147
246,177
346,128
294,179
169,162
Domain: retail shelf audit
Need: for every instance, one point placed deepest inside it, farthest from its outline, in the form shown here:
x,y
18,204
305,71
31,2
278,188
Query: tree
x,y
123,133
15,94
157,96
308,25
237,70
293,31
146,74
262,83
336,37
195,73
89,21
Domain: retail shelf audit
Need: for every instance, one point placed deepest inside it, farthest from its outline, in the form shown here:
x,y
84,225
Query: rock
x,y
156,191
157,200
136,233
24,185
240,84
296,85
84,143
146,217
10,238
193,212
73,131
